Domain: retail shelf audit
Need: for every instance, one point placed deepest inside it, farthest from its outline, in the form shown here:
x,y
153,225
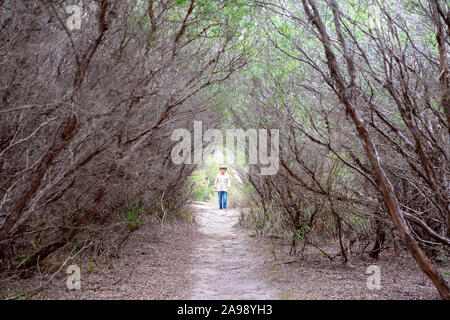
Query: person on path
x,y
222,186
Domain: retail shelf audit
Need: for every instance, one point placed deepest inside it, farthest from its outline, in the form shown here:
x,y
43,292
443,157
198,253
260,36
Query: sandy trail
x,y
224,266
217,260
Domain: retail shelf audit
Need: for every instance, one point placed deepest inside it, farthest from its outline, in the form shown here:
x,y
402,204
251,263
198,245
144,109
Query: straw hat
x,y
224,166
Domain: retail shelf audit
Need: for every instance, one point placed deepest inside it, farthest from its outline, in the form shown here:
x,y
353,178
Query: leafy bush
x,y
132,216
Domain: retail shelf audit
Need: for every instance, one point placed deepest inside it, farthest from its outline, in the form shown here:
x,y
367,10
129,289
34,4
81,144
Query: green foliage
x,y
24,260
21,296
187,215
201,183
443,254
300,232
132,216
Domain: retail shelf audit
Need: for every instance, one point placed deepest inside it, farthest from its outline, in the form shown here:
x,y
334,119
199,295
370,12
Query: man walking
x,y
222,185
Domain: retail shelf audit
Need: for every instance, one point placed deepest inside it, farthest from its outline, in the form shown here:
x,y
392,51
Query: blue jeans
x,y
222,199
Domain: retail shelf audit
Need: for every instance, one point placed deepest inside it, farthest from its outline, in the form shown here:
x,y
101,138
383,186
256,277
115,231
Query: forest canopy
x,y
359,90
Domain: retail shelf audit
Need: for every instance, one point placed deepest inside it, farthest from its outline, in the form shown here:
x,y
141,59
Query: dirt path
x,y
224,264
215,259
211,259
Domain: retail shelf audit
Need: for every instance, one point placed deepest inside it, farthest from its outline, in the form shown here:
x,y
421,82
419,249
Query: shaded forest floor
x,y
216,259
316,277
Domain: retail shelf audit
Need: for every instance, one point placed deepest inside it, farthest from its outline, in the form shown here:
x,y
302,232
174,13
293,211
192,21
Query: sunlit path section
x,y
224,267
